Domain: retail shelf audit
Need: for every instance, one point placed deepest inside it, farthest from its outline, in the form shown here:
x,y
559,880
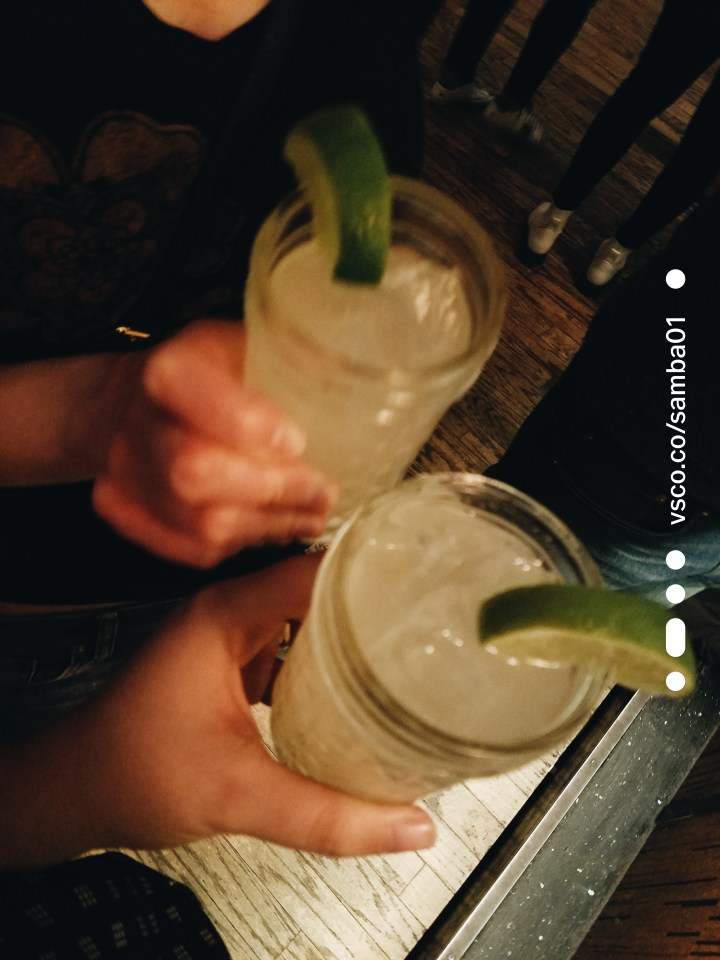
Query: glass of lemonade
x,y
387,693
368,371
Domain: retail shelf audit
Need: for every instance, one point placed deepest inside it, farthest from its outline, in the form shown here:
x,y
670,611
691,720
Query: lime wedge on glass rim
x,y
339,164
590,626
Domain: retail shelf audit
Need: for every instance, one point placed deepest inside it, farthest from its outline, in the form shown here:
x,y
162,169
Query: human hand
x,y
170,753
198,466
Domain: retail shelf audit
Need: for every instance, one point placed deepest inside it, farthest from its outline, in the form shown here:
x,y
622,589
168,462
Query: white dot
x,y
675,279
675,637
675,681
675,559
675,593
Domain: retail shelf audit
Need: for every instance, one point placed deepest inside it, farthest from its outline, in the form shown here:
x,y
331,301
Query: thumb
x,y
287,808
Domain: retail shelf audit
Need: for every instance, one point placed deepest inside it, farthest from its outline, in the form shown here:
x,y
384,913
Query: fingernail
x,y
289,438
414,832
319,496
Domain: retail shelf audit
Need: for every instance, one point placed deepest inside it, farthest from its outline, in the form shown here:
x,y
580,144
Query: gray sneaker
x,y
545,224
608,261
522,123
467,93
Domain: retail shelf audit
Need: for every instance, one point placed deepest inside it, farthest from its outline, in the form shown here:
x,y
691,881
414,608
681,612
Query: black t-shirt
x,y
137,162
119,132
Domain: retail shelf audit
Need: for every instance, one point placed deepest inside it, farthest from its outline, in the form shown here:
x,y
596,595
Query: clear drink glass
x,y
369,371
387,693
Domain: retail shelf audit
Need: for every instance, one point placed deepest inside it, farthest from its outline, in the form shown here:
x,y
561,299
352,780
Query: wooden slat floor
x,y
275,904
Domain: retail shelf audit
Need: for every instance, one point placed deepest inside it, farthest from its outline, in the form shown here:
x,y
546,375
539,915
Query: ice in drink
x,y
388,693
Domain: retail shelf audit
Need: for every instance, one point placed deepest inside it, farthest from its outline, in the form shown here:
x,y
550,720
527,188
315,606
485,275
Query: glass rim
x,y
471,483
484,287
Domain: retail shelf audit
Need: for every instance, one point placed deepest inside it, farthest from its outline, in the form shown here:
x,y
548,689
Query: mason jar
x,y
387,692
369,371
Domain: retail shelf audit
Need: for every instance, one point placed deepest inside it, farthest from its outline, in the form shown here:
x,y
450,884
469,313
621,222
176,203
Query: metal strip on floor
x,y
545,898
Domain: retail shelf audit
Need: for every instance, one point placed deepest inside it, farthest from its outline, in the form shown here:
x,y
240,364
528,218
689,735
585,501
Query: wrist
x,y
100,404
58,416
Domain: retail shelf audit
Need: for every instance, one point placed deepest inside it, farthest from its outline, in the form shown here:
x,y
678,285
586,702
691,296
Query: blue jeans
x,y
634,560
51,664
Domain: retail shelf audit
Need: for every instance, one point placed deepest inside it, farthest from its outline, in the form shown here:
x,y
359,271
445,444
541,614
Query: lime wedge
x,y
592,626
339,164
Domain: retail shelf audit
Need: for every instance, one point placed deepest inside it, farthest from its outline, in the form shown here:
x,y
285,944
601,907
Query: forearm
x,y
57,416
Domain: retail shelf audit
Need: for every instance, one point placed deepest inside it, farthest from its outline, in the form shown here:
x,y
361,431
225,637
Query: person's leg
x,y
686,176
684,180
477,27
552,32
683,44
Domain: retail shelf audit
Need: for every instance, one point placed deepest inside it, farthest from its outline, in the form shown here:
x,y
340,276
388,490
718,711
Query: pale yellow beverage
x,y
369,371
387,692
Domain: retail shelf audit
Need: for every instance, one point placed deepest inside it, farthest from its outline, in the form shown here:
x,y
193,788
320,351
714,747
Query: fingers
x,y
285,808
200,471
200,467
212,399
220,342
203,536
202,478
196,502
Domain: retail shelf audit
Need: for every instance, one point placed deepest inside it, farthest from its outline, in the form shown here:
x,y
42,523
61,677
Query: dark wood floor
x,y
669,903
